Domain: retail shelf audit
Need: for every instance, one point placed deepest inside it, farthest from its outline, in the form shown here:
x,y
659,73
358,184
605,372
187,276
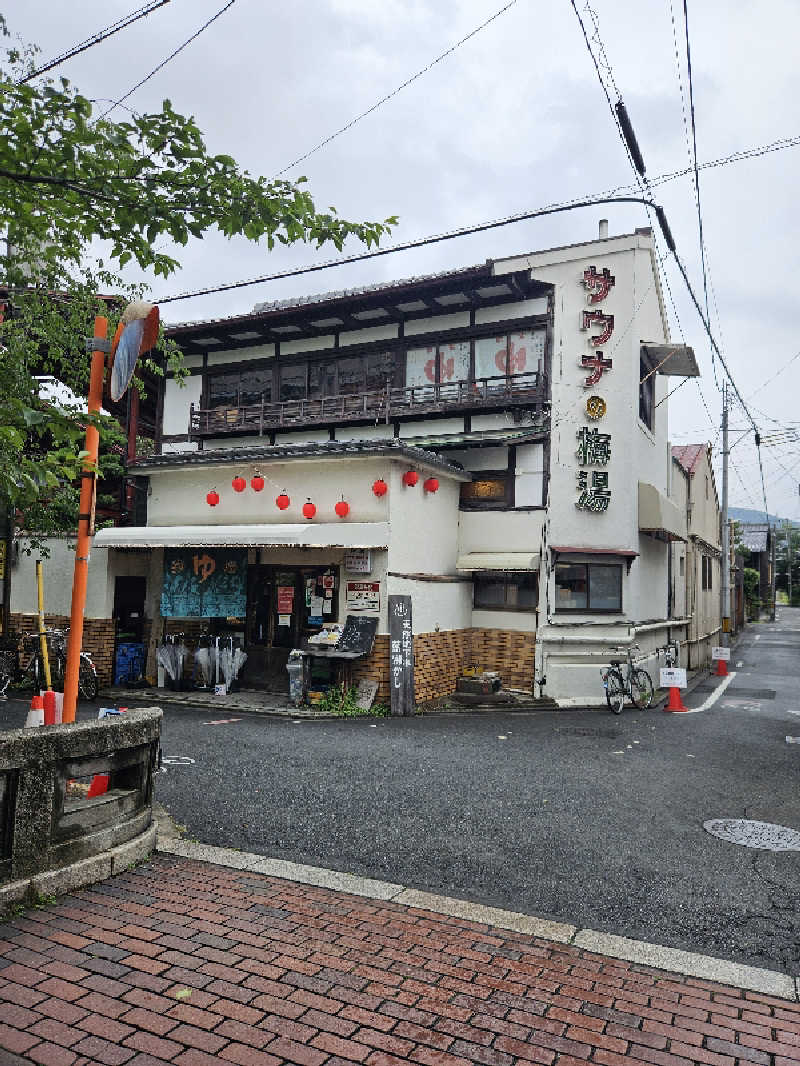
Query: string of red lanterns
x,y
341,509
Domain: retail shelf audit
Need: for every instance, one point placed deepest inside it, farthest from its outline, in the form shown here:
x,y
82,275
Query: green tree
x,y
81,196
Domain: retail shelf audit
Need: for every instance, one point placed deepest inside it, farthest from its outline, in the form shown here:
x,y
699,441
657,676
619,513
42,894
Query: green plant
x,y
340,701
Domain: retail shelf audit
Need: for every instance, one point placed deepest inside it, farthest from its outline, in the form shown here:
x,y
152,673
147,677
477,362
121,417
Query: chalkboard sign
x,y
358,635
401,655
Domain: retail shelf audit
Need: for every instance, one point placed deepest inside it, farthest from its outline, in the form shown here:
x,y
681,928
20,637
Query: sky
x,y
512,120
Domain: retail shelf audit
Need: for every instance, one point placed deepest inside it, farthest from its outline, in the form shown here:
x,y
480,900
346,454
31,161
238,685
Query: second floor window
x,y
238,388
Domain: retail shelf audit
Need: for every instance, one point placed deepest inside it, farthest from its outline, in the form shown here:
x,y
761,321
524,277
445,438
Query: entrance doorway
x,y
281,606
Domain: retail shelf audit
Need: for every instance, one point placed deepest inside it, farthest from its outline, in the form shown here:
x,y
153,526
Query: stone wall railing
x,y
54,836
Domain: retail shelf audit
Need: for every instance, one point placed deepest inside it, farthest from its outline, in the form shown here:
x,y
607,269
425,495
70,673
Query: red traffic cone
x,y
36,713
722,668
675,703
49,704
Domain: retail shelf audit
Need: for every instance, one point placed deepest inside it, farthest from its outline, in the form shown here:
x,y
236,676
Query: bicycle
x,y
634,682
32,674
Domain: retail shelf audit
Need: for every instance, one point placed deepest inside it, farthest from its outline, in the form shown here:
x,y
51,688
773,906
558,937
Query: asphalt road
x,y
575,815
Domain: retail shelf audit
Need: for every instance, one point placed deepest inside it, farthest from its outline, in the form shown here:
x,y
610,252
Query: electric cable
x,y
96,38
419,243
164,62
399,88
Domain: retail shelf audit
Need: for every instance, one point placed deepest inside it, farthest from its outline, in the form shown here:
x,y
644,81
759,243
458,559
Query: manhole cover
x,y
750,834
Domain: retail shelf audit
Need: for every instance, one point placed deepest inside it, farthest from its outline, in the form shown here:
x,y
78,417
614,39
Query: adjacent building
x,y
697,565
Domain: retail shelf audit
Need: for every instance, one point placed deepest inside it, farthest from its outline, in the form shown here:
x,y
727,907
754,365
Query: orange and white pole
x,y
85,523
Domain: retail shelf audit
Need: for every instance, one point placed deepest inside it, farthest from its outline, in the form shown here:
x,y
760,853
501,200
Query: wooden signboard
x,y
401,655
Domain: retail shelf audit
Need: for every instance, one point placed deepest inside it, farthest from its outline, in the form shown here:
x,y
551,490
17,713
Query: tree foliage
x,y
80,197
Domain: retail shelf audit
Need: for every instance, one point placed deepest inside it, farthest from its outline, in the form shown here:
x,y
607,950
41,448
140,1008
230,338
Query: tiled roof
x,y
688,455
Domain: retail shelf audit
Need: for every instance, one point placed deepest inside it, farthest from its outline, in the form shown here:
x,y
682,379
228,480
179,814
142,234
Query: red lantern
x,y
257,483
379,487
309,510
282,502
212,498
342,508
410,478
431,484
239,484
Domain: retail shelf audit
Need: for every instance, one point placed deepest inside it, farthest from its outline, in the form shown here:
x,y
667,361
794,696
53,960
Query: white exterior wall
x,y
57,573
571,647
178,398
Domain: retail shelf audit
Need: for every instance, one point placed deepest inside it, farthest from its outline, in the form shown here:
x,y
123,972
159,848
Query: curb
x,y
686,963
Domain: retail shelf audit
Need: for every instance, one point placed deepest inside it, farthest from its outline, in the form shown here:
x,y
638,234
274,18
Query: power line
x,y
96,38
399,88
690,81
164,62
775,375
420,243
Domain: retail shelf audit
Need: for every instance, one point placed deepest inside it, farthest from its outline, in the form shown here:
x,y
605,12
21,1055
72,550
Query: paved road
x,y
579,816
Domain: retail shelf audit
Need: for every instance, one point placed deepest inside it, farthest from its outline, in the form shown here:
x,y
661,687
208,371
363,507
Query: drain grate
x,y
752,693
764,835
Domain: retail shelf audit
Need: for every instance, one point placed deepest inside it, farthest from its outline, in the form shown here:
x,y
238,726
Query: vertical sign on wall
x,y
401,655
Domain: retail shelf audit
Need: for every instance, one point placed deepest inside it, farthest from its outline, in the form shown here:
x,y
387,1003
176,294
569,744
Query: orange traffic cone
x,y
35,714
722,668
675,703
49,704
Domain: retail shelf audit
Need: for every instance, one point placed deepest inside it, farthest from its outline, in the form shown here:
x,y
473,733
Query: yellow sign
x,y
726,625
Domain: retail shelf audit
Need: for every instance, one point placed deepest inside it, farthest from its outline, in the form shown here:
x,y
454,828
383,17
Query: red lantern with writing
x,y
379,487
212,499
410,478
309,510
256,483
282,502
431,484
239,484
342,508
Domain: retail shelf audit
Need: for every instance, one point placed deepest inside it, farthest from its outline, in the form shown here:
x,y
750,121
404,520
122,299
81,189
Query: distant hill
x,y
747,514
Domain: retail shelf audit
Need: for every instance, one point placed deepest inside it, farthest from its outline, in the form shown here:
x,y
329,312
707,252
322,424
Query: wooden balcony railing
x,y
379,405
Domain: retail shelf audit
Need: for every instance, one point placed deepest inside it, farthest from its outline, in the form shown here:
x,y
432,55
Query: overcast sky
x,y
513,120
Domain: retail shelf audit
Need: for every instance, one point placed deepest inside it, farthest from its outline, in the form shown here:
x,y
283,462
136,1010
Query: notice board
x,y
204,583
401,655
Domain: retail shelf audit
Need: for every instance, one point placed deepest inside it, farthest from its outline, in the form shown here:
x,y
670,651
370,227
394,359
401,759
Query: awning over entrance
x,y
658,515
273,535
672,360
498,561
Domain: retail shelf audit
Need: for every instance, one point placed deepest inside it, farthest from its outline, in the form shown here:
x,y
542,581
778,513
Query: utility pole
x,y
789,557
726,529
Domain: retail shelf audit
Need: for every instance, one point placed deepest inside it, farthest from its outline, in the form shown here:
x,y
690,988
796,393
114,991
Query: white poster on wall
x,y
514,353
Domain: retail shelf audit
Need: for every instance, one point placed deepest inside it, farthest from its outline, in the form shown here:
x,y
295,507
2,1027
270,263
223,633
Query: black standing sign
x,y
401,655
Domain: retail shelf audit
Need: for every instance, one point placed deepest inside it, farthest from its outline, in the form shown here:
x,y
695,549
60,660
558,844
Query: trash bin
x,y
297,669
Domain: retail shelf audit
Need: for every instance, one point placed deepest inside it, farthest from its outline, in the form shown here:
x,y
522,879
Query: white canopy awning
x,y
658,515
498,561
271,535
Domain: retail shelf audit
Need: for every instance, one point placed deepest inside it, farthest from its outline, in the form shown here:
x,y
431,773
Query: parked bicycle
x,y
30,672
624,678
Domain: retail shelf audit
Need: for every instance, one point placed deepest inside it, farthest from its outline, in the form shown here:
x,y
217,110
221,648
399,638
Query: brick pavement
x,y
186,963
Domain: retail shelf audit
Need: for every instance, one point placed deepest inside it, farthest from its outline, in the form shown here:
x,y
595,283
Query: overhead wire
x,y
421,242
394,92
96,38
169,58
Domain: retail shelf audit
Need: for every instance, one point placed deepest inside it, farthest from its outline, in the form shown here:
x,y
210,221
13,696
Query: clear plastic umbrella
x,y
226,664
168,659
239,659
202,658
